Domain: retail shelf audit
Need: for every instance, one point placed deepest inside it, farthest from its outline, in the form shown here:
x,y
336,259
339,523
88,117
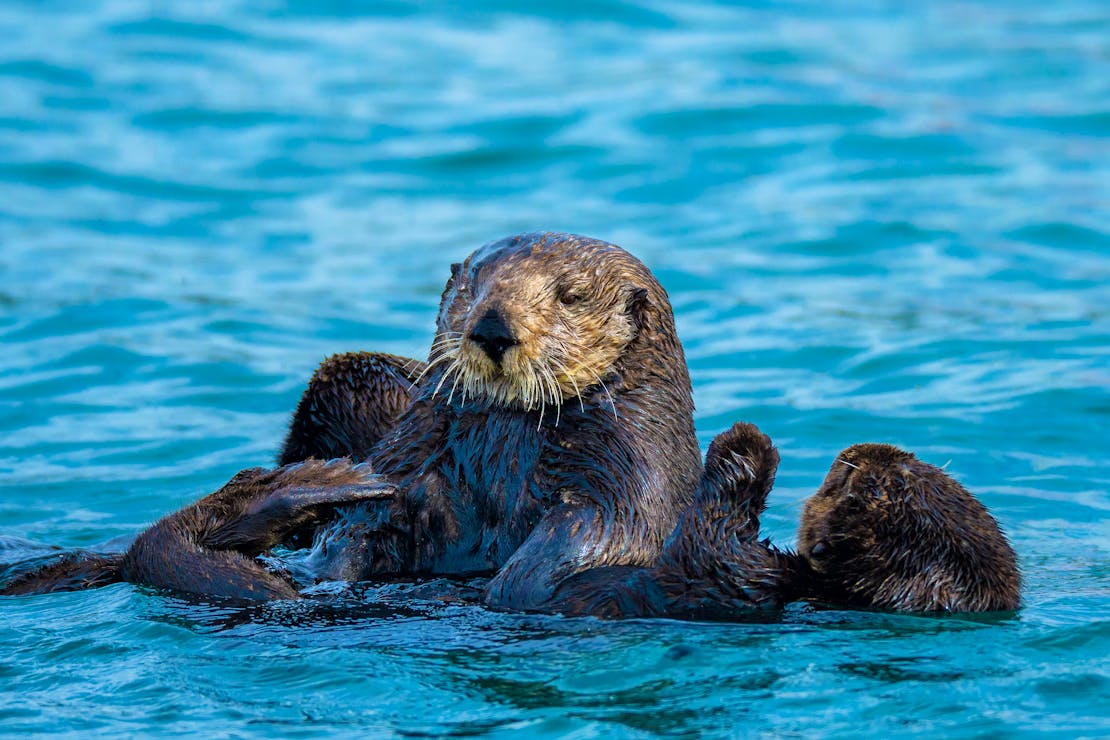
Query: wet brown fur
x,y
352,401
888,531
72,570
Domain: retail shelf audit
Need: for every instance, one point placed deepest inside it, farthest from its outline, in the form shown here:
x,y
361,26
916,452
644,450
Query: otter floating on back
x,y
550,431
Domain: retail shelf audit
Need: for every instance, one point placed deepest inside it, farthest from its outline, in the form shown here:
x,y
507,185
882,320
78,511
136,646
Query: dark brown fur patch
x,y
888,531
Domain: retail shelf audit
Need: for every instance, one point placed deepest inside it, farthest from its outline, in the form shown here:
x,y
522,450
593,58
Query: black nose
x,y
491,334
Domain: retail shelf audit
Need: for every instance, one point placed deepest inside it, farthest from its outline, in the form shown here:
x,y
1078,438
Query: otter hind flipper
x,y
289,498
351,402
209,547
739,471
888,531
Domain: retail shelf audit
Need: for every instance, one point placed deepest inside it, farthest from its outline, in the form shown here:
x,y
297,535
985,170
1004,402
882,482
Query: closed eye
x,y
570,296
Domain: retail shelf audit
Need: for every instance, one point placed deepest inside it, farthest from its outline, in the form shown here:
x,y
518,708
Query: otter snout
x,y
493,335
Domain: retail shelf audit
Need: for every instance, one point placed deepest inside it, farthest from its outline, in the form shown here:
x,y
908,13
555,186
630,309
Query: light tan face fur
x,y
568,311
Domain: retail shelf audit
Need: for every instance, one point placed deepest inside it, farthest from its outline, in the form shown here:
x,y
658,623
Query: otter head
x,y
842,522
533,320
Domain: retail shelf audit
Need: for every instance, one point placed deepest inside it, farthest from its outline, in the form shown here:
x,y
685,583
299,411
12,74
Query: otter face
x,y
535,320
844,525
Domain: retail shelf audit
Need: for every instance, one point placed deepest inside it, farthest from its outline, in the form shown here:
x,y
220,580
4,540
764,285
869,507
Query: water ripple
x,y
874,224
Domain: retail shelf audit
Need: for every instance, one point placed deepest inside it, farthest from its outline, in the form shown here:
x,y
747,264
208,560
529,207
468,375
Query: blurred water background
x,y
876,221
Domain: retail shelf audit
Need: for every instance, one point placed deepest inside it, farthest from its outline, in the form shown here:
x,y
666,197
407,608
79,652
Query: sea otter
x,y
550,431
549,439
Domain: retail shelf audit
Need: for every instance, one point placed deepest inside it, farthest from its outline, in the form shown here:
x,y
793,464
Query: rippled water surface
x,y
884,225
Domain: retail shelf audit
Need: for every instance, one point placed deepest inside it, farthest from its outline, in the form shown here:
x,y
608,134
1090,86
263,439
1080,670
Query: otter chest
x,y
491,473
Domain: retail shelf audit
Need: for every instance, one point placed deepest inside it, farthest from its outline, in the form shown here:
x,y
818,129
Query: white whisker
x,y
454,385
431,365
574,384
446,373
612,402
543,407
556,396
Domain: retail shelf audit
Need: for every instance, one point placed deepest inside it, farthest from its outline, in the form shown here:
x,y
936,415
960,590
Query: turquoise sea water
x,y
883,223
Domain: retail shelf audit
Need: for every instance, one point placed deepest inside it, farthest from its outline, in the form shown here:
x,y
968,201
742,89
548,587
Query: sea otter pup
x,y
888,531
551,431
885,531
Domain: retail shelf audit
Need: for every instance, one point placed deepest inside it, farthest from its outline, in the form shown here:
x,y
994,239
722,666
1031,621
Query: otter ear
x,y
639,308
456,268
638,302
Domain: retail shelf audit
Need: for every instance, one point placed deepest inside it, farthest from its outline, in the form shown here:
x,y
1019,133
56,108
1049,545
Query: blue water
x,y
875,223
